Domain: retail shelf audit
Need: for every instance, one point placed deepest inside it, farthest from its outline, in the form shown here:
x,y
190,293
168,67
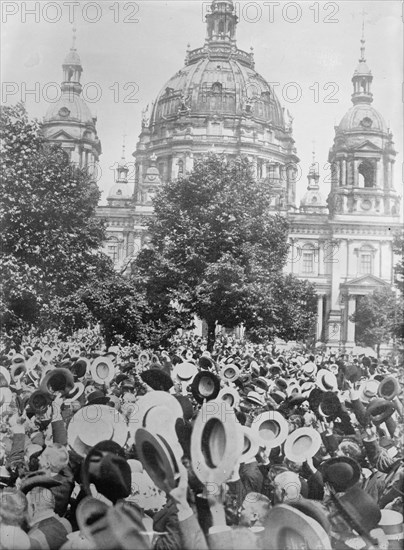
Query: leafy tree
x,y
49,233
214,244
378,318
286,309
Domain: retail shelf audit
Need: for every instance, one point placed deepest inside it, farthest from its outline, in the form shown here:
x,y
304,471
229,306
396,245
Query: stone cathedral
x,y
342,244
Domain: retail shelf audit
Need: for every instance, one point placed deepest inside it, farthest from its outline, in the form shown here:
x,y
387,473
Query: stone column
x,y
355,165
319,317
343,173
350,324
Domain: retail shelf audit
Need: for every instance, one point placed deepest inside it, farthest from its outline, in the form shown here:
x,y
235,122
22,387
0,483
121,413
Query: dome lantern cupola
x,y
221,23
362,78
72,70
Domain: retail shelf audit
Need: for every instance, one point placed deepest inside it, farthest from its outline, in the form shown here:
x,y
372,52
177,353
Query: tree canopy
x,y
215,246
50,237
378,318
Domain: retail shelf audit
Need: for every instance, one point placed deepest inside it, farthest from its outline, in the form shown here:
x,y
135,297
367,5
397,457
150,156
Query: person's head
x,y
39,499
254,510
54,458
287,486
13,507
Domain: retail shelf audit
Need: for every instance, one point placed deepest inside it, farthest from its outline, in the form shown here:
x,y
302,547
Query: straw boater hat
x,y
309,368
302,444
93,424
287,527
230,372
389,388
145,405
368,390
216,444
326,380
272,428
230,396
102,370
184,372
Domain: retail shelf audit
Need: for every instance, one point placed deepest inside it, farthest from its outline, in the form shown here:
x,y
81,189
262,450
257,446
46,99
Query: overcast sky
x,y
130,50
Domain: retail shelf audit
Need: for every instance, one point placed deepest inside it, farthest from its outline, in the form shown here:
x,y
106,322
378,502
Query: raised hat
x,y
216,443
230,396
388,388
330,405
184,372
157,379
288,527
326,380
272,428
160,460
230,372
341,472
359,509
314,509
379,410
309,368
205,386
146,403
102,370
108,470
57,380
39,401
38,479
93,424
206,362
302,444
392,524
80,367
368,390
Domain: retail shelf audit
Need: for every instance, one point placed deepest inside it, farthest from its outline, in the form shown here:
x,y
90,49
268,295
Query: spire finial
x,y
123,146
74,39
362,58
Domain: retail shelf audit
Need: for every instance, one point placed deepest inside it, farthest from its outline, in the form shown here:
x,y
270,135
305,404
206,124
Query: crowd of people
x,y
244,447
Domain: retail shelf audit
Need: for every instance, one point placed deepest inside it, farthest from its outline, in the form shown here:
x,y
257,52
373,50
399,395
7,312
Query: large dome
x,y
224,86
70,107
362,117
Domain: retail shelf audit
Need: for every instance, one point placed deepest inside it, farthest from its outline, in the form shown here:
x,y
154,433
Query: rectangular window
x,y
308,262
366,264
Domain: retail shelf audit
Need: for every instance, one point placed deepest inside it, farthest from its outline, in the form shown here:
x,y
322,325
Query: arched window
x,y
366,174
221,27
180,168
363,85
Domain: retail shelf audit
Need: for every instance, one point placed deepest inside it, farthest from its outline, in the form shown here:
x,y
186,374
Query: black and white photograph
x,y
202,275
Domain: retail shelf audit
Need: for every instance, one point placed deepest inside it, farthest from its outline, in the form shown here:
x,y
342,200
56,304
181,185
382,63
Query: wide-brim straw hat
x,y
302,444
272,428
93,424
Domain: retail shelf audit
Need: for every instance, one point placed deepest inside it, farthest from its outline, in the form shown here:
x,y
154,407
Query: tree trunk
x,y
211,335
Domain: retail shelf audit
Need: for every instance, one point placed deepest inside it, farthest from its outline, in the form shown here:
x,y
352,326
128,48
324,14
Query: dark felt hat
x,y
379,410
97,397
106,467
205,386
341,472
39,401
38,479
330,405
157,379
58,380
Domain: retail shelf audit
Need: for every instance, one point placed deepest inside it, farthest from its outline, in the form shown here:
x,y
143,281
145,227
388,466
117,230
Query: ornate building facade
x,y
219,102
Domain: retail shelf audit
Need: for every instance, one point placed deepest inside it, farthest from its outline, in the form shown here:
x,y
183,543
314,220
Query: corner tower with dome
x,y
69,121
346,250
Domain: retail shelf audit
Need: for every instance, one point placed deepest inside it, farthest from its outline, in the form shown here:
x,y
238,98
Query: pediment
x,y
60,136
365,280
368,146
